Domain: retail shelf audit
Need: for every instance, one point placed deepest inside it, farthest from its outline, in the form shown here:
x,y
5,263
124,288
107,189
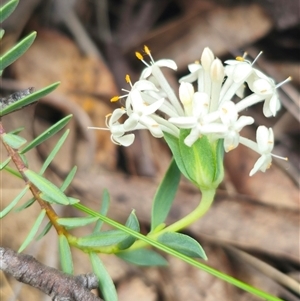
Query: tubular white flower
x,y
265,144
186,93
195,73
200,122
141,113
117,129
229,117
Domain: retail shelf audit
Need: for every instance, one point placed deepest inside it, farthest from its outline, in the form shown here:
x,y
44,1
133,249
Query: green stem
x,y
199,211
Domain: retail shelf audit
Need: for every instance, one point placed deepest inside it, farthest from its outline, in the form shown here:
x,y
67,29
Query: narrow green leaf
x,y
45,230
102,239
46,134
143,257
187,259
25,205
68,179
13,172
165,195
183,244
33,230
106,284
55,150
2,33
132,223
73,222
17,130
7,9
73,200
103,210
65,255
50,192
3,164
27,100
18,50
13,203
13,141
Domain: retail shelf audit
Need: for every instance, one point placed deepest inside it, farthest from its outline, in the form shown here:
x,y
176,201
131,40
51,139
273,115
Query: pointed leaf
x,y
27,100
143,257
13,203
45,230
17,130
73,222
25,205
50,192
65,255
2,33
132,223
18,50
7,9
13,141
165,195
46,134
33,230
104,209
73,200
13,172
183,244
102,239
106,284
55,150
68,179
3,164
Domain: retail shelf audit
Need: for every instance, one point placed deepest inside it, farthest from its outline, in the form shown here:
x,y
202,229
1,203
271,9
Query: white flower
x,y
140,113
195,72
229,117
186,93
117,129
160,63
200,122
265,144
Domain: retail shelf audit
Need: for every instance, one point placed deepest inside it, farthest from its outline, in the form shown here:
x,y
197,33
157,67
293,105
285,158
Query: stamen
x,y
127,78
139,56
115,99
284,82
279,157
240,58
257,58
148,52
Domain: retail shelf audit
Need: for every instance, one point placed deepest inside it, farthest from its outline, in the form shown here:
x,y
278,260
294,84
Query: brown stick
x,y
58,285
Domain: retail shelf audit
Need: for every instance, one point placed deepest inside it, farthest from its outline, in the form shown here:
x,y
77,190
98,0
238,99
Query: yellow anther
x,y
108,115
147,50
240,58
197,62
127,78
115,98
139,56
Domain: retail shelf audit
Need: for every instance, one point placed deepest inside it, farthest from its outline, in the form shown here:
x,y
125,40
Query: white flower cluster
x,y
207,111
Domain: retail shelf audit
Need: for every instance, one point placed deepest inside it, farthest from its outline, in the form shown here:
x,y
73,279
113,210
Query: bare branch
x,y
58,285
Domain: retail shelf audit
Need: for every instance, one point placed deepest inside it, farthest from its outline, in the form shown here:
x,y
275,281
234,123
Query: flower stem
x,y
200,210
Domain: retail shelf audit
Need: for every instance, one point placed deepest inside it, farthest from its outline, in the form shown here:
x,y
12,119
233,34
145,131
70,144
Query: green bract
x,y
201,163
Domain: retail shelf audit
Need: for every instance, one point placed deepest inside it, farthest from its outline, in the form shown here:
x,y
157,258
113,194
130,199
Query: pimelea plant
x,y
198,127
